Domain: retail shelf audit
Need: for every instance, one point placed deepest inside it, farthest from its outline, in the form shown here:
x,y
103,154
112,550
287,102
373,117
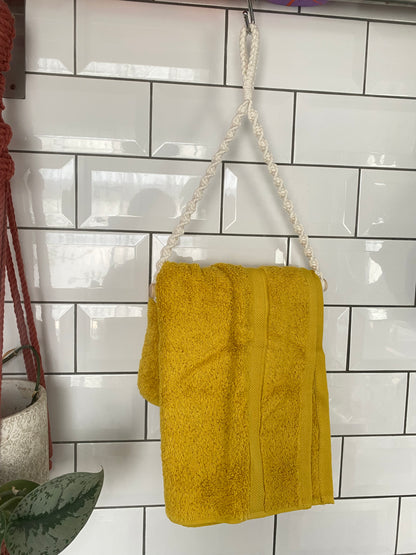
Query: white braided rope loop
x,y
248,66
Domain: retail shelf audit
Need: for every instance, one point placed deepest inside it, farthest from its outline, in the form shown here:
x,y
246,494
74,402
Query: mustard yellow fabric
x,y
233,356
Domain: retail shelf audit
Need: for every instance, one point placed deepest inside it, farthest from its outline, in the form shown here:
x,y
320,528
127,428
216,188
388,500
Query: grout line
x,y
76,215
210,233
150,257
289,244
366,56
75,456
225,47
357,207
74,37
75,338
347,361
292,154
274,535
406,406
150,118
398,525
146,411
144,532
207,160
341,467
221,86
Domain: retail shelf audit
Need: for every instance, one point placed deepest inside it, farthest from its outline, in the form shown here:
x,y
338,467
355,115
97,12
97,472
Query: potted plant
x,y
44,519
24,445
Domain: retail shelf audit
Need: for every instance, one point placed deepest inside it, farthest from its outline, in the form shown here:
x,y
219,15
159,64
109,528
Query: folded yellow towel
x,y
233,357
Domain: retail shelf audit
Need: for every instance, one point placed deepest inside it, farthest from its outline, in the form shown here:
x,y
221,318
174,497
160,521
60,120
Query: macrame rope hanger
x,y
249,33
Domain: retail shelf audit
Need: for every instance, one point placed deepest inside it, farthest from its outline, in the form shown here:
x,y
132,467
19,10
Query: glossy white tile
x,y
363,10
387,200
210,249
43,189
336,320
393,458
407,530
389,71
171,44
365,272
324,200
49,36
93,407
100,328
120,193
153,422
367,403
205,115
239,539
133,471
350,527
411,408
326,55
55,329
355,130
97,116
383,339
87,266
336,449
63,460
110,531
260,5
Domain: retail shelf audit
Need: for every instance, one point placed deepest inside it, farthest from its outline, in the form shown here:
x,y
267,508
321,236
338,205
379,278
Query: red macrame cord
x,y
24,318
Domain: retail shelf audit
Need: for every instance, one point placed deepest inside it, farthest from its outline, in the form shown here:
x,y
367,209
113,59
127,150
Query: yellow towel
x,y
233,357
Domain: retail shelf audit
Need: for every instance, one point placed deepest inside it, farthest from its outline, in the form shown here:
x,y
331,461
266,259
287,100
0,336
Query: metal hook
x,y
246,14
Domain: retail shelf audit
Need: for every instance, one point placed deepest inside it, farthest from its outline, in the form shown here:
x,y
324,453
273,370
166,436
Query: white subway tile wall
x,y
126,103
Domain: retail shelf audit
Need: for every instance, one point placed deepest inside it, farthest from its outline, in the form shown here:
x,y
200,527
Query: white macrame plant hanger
x,y
249,32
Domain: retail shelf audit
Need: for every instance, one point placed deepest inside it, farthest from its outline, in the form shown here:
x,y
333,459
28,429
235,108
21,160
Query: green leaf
x,y
9,490
3,524
53,514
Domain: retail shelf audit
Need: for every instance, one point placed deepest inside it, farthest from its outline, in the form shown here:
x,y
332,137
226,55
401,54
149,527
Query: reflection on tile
x,y
43,190
366,272
206,250
120,193
324,200
351,526
387,201
383,339
239,539
63,460
86,408
100,329
411,411
206,113
93,267
133,471
364,10
153,422
394,458
388,69
55,329
99,535
258,6
87,124
335,338
49,36
110,44
358,130
336,443
332,62
367,403
407,529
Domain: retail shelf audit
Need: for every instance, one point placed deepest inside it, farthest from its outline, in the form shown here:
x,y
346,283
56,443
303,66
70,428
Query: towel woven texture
x,y
233,356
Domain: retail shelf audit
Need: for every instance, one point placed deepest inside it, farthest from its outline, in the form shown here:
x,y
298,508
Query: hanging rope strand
x,y
248,68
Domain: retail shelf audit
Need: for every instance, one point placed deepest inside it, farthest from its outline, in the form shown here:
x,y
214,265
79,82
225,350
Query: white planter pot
x,y
24,440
